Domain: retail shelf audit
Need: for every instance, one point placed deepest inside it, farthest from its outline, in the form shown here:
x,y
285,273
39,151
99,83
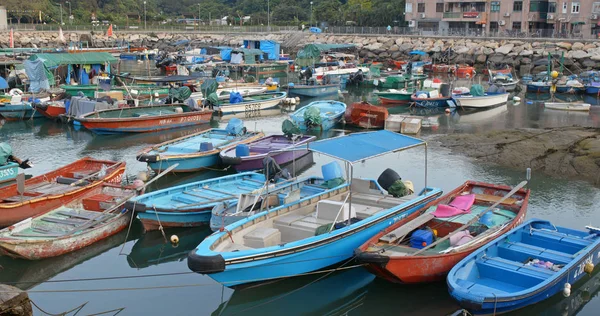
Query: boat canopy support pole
x,y
425,168
350,177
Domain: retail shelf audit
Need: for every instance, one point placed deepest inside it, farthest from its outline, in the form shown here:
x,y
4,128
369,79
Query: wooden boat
x,y
90,218
314,232
440,68
593,88
251,155
143,119
191,204
51,110
431,102
394,96
539,86
567,106
19,111
531,263
265,198
571,86
9,172
313,90
366,115
331,112
144,91
254,103
465,71
417,249
399,63
53,189
480,102
196,151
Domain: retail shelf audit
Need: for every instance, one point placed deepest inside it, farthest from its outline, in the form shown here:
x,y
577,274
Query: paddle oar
x,y
513,191
93,174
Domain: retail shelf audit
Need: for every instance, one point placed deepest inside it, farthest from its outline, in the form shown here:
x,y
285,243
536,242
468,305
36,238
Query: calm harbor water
x,y
127,267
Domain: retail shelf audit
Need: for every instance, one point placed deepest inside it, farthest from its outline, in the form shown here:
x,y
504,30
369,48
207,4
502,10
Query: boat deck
x,y
191,145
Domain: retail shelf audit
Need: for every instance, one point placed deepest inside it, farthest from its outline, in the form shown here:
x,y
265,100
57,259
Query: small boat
x,y
317,90
441,68
267,197
436,97
366,115
484,101
314,232
250,156
52,109
593,88
53,189
393,96
465,71
567,106
330,113
191,204
197,151
253,103
143,119
88,219
531,263
15,111
142,91
9,172
506,81
570,84
424,247
539,86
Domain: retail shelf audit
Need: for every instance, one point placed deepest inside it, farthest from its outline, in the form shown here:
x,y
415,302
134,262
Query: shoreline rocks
x,y
579,55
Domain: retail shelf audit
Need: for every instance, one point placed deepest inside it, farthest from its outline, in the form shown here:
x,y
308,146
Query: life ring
x,y
15,92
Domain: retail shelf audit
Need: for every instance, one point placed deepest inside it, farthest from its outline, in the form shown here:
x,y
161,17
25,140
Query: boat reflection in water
x,y
336,294
26,274
480,116
152,248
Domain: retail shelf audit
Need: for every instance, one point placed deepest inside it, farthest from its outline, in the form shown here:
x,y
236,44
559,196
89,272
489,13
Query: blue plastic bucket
x,y
332,170
242,150
206,146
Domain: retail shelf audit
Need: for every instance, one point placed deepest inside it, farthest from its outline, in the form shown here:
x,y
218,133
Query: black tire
x,y
387,178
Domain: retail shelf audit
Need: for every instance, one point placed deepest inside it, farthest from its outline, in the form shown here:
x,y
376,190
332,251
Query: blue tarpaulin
x,y
315,29
360,146
271,48
36,72
3,83
417,52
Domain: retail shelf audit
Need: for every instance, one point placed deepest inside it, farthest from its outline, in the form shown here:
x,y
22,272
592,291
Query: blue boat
x,y
197,151
439,102
20,111
313,90
315,232
9,172
593,88
528,264
539,86
191,204
331,113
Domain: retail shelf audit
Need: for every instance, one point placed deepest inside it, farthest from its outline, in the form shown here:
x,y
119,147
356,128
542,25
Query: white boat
x,y
223,93
567,106
510,85
320,72
485,101
478,116
252,104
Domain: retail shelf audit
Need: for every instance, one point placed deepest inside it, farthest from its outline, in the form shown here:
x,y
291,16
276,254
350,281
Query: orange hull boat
x,y
387,255
366,115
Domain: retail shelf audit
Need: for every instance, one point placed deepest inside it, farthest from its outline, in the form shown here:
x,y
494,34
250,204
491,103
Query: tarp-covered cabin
x,y
311,54
271,48
246,56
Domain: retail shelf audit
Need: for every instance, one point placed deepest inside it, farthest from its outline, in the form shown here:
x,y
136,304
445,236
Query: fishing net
x,y
290,128
312,116
5,152
477,90
398,189
180,94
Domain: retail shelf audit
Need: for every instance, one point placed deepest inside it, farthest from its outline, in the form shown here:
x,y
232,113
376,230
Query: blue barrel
x,y
67,105
206,146
332,170
242,150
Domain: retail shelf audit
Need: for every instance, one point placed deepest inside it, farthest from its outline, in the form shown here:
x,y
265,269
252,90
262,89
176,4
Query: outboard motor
x,y
357,77
306,74
273,171
387,178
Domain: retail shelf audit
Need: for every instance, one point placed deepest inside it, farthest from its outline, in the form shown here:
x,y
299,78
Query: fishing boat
x,y
567,106
570,86
250,156
139,91
506,81
434,95
480,102
321,115
426,245
465,71
531,263
316,90
9,172
366,115
143,119
17,110
94,216
53,189
393,96
197,151
539,86
593,88
267,197
51,109
315,232
254,103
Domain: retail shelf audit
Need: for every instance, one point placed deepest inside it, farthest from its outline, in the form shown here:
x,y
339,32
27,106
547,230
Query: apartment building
x,y
539,17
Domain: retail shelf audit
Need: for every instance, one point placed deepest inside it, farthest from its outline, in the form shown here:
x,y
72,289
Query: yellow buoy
x,y
554,74
174,239
588,268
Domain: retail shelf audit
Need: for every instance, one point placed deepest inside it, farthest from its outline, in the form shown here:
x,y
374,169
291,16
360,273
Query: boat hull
x,y
595,90
431,102
252,107
366,115
313,91
568,89
154,220
9,172
19,112
327,122
394,98
252,163
581,107
52,112
486,101
537,88
190,164
145,125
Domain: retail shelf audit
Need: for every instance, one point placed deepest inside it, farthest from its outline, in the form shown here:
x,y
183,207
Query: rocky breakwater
x,y
521,54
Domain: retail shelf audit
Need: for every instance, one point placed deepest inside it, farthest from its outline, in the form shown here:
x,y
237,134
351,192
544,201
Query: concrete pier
x,y
14,302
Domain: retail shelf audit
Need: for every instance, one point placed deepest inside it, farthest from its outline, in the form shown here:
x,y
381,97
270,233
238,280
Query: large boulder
x,y
488,51
492,45
461,49
481,59
394,48
496,58
589,47
564,45
577,46
526,53
505,49
578,54
406,47
588,63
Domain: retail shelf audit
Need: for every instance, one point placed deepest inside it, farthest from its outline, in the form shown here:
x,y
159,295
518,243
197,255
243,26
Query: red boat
x,y
366,115
51,110
443,68
424,246
465,71
53,189
398,63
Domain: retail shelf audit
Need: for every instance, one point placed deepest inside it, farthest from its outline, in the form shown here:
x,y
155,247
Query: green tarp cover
x,y
290,128
477,90
311,53
5,151
54,60
312,115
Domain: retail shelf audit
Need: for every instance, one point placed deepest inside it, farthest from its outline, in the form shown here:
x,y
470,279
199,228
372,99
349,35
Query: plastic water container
x,y
242,150
235,126
67,105
206,146
332,170
421,238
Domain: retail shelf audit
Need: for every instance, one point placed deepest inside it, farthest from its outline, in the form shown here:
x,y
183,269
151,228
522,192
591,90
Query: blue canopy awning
x,y
361,146
417,52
